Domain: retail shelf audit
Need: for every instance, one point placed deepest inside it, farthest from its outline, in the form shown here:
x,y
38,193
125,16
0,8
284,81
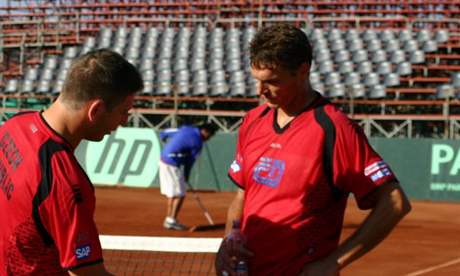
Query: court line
x,y
164,244
435,267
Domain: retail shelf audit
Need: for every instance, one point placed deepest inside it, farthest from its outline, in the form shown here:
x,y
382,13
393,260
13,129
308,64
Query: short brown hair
x,y
281,45
102,74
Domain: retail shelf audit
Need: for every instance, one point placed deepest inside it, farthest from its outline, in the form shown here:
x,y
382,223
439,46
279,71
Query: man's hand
x,y
230,252
323,267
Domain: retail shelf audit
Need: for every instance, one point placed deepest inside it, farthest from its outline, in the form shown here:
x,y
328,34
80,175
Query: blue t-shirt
x,y
182,147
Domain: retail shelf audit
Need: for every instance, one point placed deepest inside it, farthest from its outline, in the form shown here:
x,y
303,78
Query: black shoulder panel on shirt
x,y
47,150
22,113
328,151
264,112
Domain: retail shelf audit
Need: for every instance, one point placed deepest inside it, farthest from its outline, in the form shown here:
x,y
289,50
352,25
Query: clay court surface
x,y
426,242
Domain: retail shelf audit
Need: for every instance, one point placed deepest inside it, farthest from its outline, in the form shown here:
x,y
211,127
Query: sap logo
x,y
444,158
83,252
269,171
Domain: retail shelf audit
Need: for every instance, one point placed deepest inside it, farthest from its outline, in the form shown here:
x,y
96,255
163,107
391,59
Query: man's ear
x,y
96,108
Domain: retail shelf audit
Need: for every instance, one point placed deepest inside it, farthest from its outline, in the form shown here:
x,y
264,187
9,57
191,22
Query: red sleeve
x,y
235,171
357,167
68,214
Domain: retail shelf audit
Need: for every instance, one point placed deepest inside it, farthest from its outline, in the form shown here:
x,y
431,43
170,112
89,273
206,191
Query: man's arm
x,y
235,211
390,206
225,258
96,270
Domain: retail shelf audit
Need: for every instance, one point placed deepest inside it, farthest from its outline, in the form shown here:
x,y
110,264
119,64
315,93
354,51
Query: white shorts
x,y
172,180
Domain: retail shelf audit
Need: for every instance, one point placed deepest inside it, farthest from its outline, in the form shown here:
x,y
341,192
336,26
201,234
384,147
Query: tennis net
x,y
134,255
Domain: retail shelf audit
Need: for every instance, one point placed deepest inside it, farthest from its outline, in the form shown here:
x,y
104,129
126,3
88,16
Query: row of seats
x,y
163,9
197,61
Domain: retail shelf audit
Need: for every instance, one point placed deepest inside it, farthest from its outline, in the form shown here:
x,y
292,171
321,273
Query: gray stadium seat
x,y
341,56
200,76
365,67
70,52
43,86
371,79
148,88
405,35
215,64
315,77
332,78
180,64
182,88
377,92
336,90
379,56
334,34
392,46
357,90
11,86
31,73
423,35
391,79
200,89
404,68
219,89
360,56
338,44
238,89
322,55
325,66
27,86
410,45
429,46
346,67
352,78
441,36
445,91
148,75
57,87
163,88
182,76
417,57
217,76
384,68
455,80
369,35
355,45
398,56
373,45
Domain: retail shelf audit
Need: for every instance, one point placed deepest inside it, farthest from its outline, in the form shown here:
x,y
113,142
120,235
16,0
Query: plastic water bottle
x,y
238,237
241,268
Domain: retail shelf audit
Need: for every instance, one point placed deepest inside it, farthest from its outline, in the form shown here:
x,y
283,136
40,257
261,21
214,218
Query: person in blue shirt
x,y
182,148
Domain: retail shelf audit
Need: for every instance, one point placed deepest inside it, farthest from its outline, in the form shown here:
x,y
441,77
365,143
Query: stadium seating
x,y
195,62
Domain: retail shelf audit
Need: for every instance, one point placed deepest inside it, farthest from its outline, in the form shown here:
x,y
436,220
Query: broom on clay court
x,y
211,224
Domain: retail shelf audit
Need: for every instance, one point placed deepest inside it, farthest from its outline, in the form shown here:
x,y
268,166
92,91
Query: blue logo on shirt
x,y
269,171
83,252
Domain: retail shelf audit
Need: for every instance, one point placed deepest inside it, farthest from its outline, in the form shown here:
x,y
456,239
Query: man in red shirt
x,y
47,201
297,159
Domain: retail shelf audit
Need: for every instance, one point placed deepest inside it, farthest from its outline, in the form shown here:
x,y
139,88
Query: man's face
x,y
278,86
108,121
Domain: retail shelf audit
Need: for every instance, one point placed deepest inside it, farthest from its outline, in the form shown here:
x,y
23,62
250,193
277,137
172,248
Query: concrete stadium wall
x,y
428,169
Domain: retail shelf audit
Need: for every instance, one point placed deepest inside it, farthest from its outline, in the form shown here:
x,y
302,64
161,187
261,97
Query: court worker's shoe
x,y
173,224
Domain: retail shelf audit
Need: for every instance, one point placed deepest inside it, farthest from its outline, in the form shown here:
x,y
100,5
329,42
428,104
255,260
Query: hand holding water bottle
x,y
232,258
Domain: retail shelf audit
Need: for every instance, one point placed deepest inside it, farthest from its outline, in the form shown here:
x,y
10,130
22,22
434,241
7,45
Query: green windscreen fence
x,y
427,168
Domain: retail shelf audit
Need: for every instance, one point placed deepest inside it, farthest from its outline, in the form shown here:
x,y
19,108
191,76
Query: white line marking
x,y
165,244
432,268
